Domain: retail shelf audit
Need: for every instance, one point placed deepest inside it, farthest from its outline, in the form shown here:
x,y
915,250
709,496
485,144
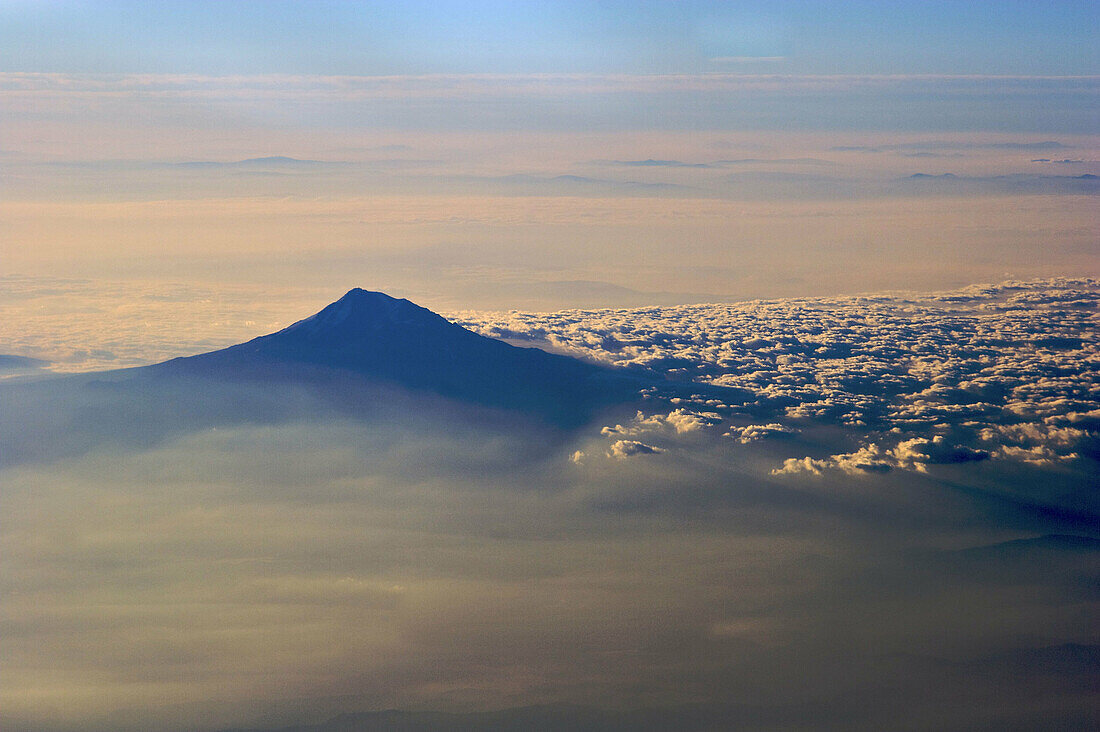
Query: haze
x,y
815,445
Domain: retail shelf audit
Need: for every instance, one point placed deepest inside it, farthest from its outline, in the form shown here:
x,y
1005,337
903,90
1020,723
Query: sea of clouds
x,y
841,513
990,372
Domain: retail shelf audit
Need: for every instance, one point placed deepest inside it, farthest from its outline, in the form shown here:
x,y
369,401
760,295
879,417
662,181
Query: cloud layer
x,y
1002,372
819,514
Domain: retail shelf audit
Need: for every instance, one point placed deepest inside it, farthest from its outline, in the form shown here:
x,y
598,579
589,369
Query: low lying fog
x,y
263,559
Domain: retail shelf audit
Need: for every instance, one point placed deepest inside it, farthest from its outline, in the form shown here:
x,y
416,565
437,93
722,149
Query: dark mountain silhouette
x,y
398,343
366,357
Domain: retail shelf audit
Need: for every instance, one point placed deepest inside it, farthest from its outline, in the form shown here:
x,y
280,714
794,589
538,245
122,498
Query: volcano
x,y
396,343
367,357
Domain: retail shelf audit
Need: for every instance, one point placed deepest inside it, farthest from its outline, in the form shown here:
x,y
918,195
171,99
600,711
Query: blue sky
x,y
327,37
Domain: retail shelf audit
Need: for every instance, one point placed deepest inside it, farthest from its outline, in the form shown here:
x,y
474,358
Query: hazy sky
x,y
649,36
544,155
883,517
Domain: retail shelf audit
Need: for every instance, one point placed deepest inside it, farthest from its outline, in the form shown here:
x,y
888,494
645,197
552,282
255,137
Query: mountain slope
x,y
373,335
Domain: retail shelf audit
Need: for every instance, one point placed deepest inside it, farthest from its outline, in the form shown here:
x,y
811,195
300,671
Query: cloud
x,y
679,421
651,163
266,575
775,161
622,449
754,432
85,325
720,100
913,454
991,372
197,86
1015,184
927,145
265,163
1000,369
535,185
234,555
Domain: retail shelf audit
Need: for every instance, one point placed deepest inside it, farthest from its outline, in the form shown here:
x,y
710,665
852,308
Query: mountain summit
x,y
361,313
397,343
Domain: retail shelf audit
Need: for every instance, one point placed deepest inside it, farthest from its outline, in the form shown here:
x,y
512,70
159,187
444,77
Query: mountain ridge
x,y
374,335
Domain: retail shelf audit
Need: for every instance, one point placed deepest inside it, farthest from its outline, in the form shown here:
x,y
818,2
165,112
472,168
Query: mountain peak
x,y
360,297
362,311
394,341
